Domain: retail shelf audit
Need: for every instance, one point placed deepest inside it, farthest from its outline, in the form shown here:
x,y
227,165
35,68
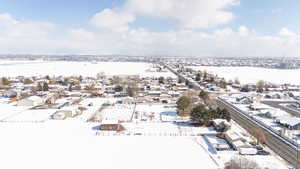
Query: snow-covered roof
x,y
34,98
233,135
291,121
259,106
109,121
238,143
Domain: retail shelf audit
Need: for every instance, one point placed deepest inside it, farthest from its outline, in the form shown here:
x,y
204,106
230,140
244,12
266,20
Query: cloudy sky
x,y
151,27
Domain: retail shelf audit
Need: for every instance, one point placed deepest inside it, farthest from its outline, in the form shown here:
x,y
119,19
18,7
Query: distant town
x,y
163,97
263,62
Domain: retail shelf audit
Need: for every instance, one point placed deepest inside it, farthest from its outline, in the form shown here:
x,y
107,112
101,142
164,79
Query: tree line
x,y
201,113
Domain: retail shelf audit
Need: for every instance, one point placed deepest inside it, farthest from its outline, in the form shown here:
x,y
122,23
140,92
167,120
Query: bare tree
x,y
237,81
241,163
261,84
259,135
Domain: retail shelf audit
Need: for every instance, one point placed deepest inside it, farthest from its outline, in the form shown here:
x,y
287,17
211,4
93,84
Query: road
x,y
276,142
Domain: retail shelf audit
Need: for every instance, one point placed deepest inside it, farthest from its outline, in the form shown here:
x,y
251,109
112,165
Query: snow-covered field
x,y
62,144
12,69
31,116
253,75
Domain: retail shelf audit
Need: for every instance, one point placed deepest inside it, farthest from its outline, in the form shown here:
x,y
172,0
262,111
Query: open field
x,y
57,68
253,75
63,145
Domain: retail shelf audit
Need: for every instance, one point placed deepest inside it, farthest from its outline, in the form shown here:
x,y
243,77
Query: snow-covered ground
x,y
253,75
118,112
63,144
12,69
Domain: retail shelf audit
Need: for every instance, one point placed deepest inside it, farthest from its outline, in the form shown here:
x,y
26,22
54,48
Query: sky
x,y
204,28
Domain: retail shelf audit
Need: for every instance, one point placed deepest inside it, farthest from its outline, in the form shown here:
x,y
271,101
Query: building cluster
x,y
275,63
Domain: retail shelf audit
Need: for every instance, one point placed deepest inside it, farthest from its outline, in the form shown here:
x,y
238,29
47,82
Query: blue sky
x,y
265,16
125,23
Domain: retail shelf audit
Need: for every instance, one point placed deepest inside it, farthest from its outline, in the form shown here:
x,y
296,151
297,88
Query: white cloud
x,y
223,42
81,34
244,31
285,32
34,37
190,14
113,20
22,29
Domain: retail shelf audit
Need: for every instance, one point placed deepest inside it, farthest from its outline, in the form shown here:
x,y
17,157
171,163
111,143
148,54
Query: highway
x,y
285,147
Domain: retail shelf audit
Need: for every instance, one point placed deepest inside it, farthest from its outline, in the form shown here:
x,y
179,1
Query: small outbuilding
x,y
111,125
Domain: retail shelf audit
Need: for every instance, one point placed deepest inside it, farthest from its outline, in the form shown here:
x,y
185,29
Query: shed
x,y
111,125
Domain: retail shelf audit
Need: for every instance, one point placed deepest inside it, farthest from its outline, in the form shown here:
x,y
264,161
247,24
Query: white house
x,y
292,123
31,101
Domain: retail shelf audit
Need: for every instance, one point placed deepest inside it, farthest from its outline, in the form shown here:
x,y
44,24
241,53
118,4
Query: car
x,y
263,152
259,148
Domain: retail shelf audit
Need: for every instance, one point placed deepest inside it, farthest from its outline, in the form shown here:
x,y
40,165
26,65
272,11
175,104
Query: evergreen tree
x,y
187,83
180,80
161,80
204,96
5,81
200,114
182,104
39,87
70,87
80,78
118,88
47,77
45,87
223,83
198,77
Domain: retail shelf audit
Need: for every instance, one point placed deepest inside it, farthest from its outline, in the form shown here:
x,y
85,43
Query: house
x,y
66,113
128,100
292,123
154,93
239,144
9,94
218,143
121,94
174,94
221,124
272,113
232,136
258,107
296,104
274,95
31,101
244,100
50,98
111,125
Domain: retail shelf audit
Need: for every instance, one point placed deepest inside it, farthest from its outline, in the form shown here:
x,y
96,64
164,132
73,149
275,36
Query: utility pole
x,y
297,153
